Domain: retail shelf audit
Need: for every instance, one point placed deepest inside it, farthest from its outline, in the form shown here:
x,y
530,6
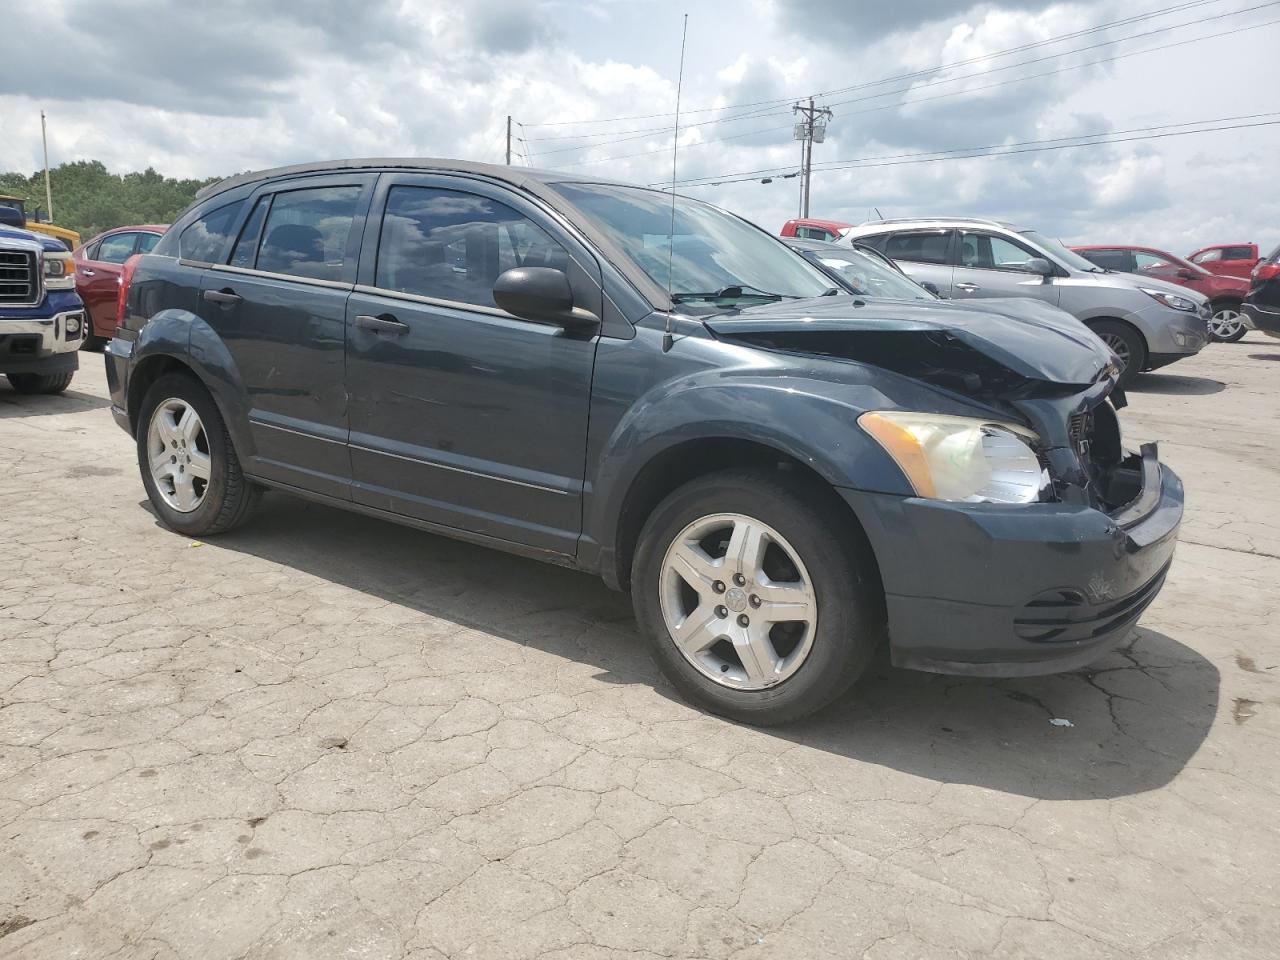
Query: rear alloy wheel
x,y
758,594
188,463
1127,344
1227,323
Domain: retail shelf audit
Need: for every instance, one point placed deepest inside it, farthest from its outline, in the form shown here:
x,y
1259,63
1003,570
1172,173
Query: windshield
x,y
716,261
868,276
1060,253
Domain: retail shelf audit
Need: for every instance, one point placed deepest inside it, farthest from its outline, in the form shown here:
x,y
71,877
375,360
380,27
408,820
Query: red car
x,y
1227,259
1225,293
98,266
810,229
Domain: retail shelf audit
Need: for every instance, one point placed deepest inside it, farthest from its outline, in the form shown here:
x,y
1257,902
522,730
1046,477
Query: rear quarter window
x,y
206,239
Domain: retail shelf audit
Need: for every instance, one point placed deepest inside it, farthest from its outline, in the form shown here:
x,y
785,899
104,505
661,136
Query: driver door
x,y
990,265
462,414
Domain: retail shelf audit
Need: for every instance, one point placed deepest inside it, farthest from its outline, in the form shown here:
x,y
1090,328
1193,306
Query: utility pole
x,y
48,190
508,139
812,129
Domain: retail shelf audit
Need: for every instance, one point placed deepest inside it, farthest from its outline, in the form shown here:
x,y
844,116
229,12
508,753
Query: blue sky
x,y
229,85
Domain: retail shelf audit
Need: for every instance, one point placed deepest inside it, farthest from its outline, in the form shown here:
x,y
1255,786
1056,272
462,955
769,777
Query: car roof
x,y
815,222
524,178
804,243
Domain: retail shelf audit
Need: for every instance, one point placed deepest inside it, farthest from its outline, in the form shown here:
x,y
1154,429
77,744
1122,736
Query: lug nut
x,y
722,612
755,601
739,579
744,620
718,586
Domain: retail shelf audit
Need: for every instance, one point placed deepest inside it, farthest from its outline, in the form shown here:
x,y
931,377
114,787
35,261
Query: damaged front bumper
x,y
1017,590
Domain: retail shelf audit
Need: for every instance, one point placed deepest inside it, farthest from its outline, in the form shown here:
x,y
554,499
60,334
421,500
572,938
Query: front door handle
x,y
383,324
967,287
86,272
223,298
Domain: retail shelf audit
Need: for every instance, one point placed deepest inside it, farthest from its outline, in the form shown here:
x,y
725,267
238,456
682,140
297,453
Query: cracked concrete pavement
x,y
326,736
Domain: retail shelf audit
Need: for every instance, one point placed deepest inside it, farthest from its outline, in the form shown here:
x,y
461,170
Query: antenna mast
x,y
667,339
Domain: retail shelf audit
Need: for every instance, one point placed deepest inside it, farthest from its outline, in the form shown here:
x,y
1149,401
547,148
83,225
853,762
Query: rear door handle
x,y
383,324
967,287
223,297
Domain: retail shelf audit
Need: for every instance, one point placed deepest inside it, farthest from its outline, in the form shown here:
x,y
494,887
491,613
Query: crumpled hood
x,y
1039,344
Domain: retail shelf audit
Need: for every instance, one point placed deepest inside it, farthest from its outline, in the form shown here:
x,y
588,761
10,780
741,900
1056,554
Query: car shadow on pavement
x,y
1132,721
1176,384
14,405
1264,356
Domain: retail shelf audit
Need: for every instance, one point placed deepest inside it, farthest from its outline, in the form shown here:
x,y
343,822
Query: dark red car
x,y
98,266
1225,293
1227,259
811,229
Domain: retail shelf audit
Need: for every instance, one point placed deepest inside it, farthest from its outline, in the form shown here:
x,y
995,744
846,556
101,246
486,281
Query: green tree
x,y
89,199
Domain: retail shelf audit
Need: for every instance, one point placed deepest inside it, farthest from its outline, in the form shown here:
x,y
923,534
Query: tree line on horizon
x,y
88,198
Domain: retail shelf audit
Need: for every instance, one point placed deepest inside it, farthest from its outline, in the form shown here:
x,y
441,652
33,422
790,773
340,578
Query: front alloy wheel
x,y
1227,324
738,601
178,453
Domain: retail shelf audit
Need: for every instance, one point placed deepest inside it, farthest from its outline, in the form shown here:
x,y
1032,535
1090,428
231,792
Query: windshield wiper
x,y
736,292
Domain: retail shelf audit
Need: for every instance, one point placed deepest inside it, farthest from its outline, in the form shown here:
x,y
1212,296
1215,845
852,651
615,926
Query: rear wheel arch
x,y
148,371
689,460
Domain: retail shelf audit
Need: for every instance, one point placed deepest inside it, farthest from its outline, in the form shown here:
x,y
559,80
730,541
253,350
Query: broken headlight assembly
x,y
959,458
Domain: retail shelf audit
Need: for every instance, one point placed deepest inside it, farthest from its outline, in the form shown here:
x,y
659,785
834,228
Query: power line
x,y
1178,8
942,96
1028,146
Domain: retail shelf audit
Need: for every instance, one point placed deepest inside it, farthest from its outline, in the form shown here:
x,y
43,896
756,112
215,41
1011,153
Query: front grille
x,y
19,282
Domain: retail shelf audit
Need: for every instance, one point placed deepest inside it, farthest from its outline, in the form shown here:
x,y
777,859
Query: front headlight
x,y
59,271
1171,300
959,458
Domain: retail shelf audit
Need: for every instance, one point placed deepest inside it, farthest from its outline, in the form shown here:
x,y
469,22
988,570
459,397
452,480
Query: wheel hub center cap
x,y
736,599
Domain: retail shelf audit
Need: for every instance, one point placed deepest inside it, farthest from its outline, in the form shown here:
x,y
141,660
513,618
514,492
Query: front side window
x,y
1120,260
712,260
919,247
1153,263
450,245
306,232
1207,256
206,240
986,251
116,248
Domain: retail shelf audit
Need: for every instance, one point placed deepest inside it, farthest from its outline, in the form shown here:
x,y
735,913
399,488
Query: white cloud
x,y
281,82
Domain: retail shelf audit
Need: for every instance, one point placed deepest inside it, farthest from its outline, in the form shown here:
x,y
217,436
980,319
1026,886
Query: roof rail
x,y
993,223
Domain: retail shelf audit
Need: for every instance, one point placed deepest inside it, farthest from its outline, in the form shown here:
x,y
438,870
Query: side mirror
x,y
1185,274
543,295
932,288
1040,266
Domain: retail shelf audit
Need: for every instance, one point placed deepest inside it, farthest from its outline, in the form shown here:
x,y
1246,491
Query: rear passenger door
x,y
923,255
991,265
462,414
279,307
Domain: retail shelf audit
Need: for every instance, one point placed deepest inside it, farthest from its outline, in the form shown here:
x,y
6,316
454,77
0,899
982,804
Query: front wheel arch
x,y
1093,323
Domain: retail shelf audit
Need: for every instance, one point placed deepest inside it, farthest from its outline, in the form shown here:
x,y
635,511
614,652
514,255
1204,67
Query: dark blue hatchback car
x,y
785,477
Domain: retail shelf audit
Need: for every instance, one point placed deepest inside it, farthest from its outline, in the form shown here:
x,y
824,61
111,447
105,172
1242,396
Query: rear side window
x,y
930,247
1237,253
116,248
452,246
206,240
306,232
1121,260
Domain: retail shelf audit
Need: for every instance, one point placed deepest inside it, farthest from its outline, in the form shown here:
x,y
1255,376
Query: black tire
x,y
1240,331
41,382
1126,341
850,622
229,497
